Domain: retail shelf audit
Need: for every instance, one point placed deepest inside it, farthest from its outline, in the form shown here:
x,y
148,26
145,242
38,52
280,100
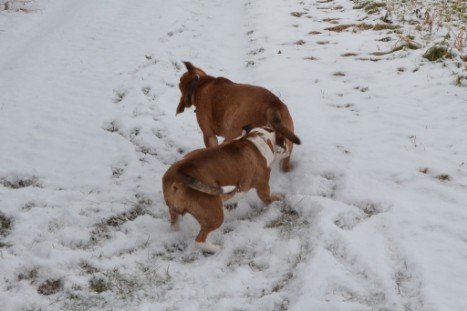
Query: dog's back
x,y
223,108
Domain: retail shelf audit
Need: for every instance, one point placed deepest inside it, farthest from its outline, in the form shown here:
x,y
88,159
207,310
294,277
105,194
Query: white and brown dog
x,y
224,107
204,179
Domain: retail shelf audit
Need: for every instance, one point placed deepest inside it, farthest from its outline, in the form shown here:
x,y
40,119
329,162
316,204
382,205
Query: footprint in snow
x,y
367,288
359,212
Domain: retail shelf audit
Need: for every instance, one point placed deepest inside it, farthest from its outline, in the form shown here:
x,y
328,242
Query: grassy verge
x,y
437,27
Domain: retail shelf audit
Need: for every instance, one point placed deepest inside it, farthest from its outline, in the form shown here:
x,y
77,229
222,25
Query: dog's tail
x,y
195,184
276,123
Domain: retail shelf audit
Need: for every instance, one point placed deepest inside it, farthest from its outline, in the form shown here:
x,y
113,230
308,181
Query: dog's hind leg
x,y
285,164
210,217
208,247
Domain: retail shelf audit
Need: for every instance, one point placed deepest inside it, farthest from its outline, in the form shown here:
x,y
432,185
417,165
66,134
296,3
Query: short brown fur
x,y
236,163
224,107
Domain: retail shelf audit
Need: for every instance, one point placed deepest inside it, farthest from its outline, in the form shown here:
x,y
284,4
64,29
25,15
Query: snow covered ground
x,y
375,210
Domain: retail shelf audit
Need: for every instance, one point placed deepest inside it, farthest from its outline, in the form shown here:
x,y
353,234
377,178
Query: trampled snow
x,y
374,213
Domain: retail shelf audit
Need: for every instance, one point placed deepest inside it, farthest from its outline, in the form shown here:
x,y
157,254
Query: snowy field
x,y
375,210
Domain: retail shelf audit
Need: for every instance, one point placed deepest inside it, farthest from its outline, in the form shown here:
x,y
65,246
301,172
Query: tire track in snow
x,y
361,285
367,288
406,291
408,280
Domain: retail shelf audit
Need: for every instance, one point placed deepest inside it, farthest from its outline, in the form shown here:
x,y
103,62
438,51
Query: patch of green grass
x,y
362,26
86,268
18,183
433,20
374,7
370,7
241,257
300,42
118,220
103,229
349,54
404,43
189,259
29,275
331,20
279,285
361,5
443,177
459,78
98,285
423,170
126,285
49,287
436,52
339,28
78,301
379,27
287,221
297,14
5,225
103,286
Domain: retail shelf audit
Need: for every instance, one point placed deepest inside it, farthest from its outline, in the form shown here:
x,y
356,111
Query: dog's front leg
x,y
174,220
210,140
264,193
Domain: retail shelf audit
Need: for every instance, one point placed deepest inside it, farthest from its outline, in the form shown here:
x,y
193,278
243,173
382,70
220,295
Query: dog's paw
x,y
208,247
275,198
230,206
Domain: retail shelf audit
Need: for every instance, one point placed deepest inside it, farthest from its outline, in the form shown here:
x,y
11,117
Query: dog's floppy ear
x,y
189,66
180,107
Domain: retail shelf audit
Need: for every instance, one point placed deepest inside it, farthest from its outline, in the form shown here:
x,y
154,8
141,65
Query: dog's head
x,y
187,85
267,133
275,143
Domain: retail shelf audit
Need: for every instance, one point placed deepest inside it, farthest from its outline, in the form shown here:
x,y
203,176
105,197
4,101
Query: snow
x,y
374,213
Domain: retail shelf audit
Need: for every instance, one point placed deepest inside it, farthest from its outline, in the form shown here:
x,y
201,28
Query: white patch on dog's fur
x,y
228,189
281,153
208,247
237,197
260,142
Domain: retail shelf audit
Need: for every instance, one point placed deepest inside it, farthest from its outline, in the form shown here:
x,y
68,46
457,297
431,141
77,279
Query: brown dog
x,y
224,107
204,179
